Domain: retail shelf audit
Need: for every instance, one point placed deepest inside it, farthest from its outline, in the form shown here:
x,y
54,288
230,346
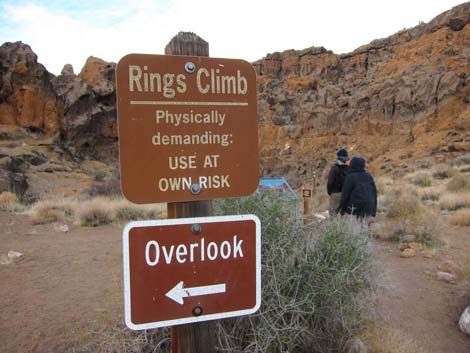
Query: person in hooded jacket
x,y
359,194
335,181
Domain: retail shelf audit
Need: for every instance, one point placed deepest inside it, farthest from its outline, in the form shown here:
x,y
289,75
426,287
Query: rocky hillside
x,y
398,101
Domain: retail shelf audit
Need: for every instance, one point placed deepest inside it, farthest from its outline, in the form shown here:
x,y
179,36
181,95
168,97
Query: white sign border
x,y
192,319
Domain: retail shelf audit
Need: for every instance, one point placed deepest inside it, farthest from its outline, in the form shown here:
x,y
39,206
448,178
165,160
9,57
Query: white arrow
x,y
177,293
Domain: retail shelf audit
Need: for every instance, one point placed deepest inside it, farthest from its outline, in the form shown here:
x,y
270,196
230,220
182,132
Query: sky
x,y
68,32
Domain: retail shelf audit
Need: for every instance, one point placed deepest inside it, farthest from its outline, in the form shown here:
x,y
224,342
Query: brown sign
x,y
187,128
187,270
306,193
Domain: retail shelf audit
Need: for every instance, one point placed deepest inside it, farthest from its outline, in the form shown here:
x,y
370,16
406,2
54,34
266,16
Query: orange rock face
x,y
26,95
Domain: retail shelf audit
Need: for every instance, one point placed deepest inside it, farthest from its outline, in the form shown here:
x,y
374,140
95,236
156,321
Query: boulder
x,y
13,182
464,322
90,117
407,253
446,277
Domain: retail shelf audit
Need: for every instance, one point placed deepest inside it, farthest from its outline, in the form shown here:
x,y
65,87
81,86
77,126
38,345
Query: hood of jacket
x,y
358,164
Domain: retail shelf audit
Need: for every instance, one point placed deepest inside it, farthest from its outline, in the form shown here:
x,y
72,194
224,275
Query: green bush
x,y
313,283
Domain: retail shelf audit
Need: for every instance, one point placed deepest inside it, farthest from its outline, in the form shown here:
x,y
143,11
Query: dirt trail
x,y
416,303
64,279
70,278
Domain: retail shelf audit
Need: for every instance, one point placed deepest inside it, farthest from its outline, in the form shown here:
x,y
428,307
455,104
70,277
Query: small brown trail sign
x,y
190,270
187,128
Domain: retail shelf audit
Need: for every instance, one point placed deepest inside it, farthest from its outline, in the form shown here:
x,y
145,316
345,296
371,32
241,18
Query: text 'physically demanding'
x,y
197,251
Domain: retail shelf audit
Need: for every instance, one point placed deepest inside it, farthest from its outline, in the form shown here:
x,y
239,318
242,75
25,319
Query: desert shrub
x,y
445,172
459,183
130,213
406,215
155,211
44,212
95,212
462,160
454,202
402,203
126,211
9,202
430,194
109,188
99,175
461,218
382,184
312,283
422,180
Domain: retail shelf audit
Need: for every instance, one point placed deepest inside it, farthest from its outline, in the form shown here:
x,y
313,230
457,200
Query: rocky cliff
x,y
397,101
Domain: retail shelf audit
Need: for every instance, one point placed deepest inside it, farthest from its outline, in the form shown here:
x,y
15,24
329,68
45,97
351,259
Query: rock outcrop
x,y
89,99
26,95
403,97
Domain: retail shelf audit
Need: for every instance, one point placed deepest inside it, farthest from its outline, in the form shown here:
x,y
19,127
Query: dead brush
x,y
461,218
51,211
405,215
453,202
9,202
95,212
459,183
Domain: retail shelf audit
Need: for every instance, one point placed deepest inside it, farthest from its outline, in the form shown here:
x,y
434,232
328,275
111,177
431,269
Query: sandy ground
x,y
70,279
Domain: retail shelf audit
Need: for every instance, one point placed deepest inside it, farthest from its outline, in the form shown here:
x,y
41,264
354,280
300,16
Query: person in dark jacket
x,y
335,181
359,194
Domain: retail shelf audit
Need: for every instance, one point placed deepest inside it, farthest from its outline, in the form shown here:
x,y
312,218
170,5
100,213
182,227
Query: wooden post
x,y
197,337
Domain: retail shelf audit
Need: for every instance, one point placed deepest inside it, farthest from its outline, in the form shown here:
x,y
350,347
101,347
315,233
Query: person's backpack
x,y
342,172
360,198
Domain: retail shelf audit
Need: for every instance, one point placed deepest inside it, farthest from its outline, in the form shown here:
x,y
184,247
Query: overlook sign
x,y
191,269
187,128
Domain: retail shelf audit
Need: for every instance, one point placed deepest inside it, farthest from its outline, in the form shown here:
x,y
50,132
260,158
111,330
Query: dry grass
x,y
459,183
107,335
430,194
95,212
452,202
390,340
401,203
124,211
463,274
51,211
9,202
405,214
423,180
444,171
461,218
